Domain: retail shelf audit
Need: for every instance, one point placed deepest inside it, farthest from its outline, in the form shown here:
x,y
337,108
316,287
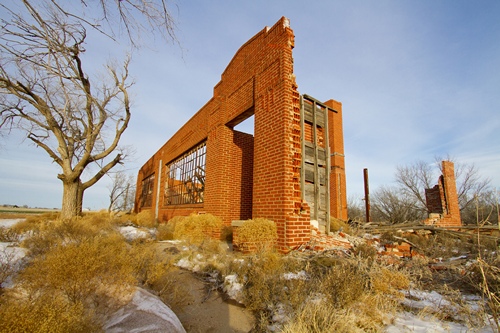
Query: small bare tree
x,y
121,192
394,205
413,179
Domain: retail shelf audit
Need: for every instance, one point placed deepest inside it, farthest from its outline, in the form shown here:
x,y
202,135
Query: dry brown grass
x,y
339,225
323,293
156,271
258,233
165,231
45,314
77,272
146,219
74,282
197,229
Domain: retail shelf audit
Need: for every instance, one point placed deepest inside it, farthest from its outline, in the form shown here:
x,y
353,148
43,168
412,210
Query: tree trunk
x,y
72,199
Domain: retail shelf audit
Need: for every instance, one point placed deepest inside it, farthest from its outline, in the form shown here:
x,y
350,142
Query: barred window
x,y
185,177
147,191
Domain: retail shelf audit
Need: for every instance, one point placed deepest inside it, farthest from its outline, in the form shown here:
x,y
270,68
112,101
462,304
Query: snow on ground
x,y
233,288
10,254
132,233
145,313
433,302
7,223
409,322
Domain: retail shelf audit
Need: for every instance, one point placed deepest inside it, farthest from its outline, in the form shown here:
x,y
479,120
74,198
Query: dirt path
x,y
211,314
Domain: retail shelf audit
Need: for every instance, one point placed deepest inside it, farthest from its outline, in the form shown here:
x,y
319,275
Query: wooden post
x,y
367,195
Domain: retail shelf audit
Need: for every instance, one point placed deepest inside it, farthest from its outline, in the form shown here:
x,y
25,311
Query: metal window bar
x,y
147,191
185,178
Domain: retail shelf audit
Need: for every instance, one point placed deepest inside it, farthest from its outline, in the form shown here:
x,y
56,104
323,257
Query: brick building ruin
x,y
290,171
442,199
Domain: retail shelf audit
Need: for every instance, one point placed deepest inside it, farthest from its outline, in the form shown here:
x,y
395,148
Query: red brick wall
x,y
434,198
250,177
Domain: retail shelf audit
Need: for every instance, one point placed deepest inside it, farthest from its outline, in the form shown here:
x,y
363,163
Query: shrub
x,y
259,234
146,219
34,223
45,313
344,283
389,282
197,228
93,271
339,225
485,278
262,274
8,235
165,231
365,250
53,233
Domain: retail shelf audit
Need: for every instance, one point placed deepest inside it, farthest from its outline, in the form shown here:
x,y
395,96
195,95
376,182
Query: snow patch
x,y
233,288
7,223
302,275
133,233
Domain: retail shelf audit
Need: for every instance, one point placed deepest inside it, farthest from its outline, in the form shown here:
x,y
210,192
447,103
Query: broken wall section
x,y
442,199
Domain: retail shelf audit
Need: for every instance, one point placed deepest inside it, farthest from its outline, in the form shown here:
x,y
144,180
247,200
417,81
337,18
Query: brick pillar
x,y
276,189
218,194
450,192
338,188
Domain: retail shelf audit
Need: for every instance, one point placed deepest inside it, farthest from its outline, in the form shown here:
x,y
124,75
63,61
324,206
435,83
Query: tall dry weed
x,y
156,271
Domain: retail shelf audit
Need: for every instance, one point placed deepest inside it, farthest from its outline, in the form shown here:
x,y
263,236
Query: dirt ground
x,y
208,312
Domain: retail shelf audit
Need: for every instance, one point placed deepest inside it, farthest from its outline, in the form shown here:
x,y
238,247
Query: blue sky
x,y
417,79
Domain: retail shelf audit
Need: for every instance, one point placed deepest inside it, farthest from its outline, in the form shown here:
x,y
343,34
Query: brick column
x,y
338,188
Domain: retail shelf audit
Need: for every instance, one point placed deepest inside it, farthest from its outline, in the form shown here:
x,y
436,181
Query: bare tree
x,y
356,211
413,179
46,91
112,17
394,205
121,192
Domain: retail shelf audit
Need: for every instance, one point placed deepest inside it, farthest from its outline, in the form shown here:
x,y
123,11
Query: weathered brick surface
x,y
250,177
338,187
442,200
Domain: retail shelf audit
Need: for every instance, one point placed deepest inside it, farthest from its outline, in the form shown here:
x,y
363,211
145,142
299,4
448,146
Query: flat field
x,y
21,212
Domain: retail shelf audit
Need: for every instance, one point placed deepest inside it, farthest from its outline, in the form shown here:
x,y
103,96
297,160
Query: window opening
x,y
246,126
185,178
147,191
